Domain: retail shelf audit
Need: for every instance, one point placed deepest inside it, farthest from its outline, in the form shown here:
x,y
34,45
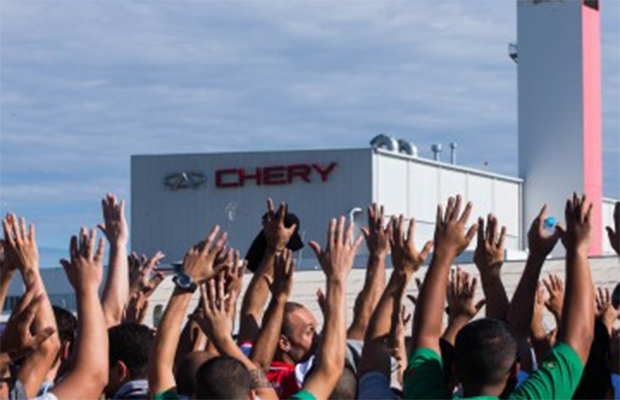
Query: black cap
x,y
257,248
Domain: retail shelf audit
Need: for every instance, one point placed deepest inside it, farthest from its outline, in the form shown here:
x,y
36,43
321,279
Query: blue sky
x,y
86,84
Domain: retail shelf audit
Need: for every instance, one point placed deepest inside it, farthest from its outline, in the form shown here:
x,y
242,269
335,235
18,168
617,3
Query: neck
x,y
280,356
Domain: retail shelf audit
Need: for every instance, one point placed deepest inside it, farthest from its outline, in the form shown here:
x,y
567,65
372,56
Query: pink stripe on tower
x,y
593,174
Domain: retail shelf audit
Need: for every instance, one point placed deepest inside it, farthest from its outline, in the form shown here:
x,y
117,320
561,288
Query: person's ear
x,y
123,371
65,351
284,344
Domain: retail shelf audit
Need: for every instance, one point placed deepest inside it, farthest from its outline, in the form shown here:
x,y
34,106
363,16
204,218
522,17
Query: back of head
x,y
222,378
130,343
187,370
346,387
485,351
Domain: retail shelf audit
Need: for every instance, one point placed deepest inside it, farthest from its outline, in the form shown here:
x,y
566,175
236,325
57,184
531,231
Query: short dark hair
x,y
346,386
222,377
130,343
485,350
66,324
289,308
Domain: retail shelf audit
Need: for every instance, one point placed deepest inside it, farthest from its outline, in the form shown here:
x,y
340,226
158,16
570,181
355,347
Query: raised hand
x,y
605,310
555,288
136,308
20,245
141,277
276,233
17,340
489,254
337,258
541,243
199,260
114,225
461,293
578,233
404,254
235,269
85,269
377,237
217,304
282,284
614,233
450,236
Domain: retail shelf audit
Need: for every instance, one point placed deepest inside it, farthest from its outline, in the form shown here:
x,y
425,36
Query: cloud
x,y
87,84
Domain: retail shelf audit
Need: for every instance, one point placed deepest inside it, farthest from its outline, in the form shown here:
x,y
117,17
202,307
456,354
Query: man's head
x,y
188,368
485,355
298,338
223,378
129,349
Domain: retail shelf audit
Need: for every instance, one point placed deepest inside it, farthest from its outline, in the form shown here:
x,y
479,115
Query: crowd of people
x,y
279,351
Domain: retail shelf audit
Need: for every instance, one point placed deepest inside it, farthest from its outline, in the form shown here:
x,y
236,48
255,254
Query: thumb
x,y
316,248
480,304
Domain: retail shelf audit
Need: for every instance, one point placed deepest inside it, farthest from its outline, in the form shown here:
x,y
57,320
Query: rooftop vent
x,y
407,147
436,149
384,141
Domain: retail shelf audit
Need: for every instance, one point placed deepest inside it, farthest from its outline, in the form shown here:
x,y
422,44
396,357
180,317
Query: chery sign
x,y
273,175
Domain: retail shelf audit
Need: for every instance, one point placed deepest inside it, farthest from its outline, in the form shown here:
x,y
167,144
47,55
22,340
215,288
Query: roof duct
x,y
407,147
384,141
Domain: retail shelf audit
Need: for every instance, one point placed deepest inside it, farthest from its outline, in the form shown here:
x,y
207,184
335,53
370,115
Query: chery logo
x,y
273,175
184,180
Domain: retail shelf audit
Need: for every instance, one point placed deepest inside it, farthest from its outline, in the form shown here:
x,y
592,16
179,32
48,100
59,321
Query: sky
x,y
86,84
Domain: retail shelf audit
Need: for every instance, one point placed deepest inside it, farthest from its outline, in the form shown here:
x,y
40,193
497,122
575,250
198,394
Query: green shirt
x,y
302,395
167,395
557,377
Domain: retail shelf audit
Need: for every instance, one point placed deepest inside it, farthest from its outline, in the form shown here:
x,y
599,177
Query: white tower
x,y
559,72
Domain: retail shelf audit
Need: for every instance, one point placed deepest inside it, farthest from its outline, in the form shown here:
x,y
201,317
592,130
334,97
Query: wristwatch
x,y
184,282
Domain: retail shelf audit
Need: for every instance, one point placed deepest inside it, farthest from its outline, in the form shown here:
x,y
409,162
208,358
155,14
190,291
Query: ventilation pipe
x,y
453,147
408,148
384,141
436,149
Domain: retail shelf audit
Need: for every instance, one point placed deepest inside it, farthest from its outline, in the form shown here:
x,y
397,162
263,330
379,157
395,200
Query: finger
x,y
480,304
90,247
340,230
349,232
31,233
370,211
316,248
426,250
211,295
449,209
439,215
538,221
8,232
471,232
331,234
502,237
401,229
22,230
211,236
410,231
73,248
365,232
481,234
270,209
466,213
357,243
83,242
100,250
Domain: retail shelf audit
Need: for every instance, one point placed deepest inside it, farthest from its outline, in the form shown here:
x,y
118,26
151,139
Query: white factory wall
x,y
414,186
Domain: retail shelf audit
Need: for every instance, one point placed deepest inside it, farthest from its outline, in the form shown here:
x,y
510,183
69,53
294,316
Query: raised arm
x,y
218,303
277,236
489,258
89,373
115,293
541,244
378,243
197,265
22,252
281,287
577,328
7,270
450,240
406,260
336,261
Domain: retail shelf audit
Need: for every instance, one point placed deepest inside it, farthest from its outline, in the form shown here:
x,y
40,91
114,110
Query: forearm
x,y
5,282
89,374
255,298
332,351
164,347
495,293
522,305
267,341
577,326
368,298
428,317
381,320
116,289
454,326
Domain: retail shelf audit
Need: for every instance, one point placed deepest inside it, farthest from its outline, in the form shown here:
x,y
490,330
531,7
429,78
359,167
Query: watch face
x,y
184,280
